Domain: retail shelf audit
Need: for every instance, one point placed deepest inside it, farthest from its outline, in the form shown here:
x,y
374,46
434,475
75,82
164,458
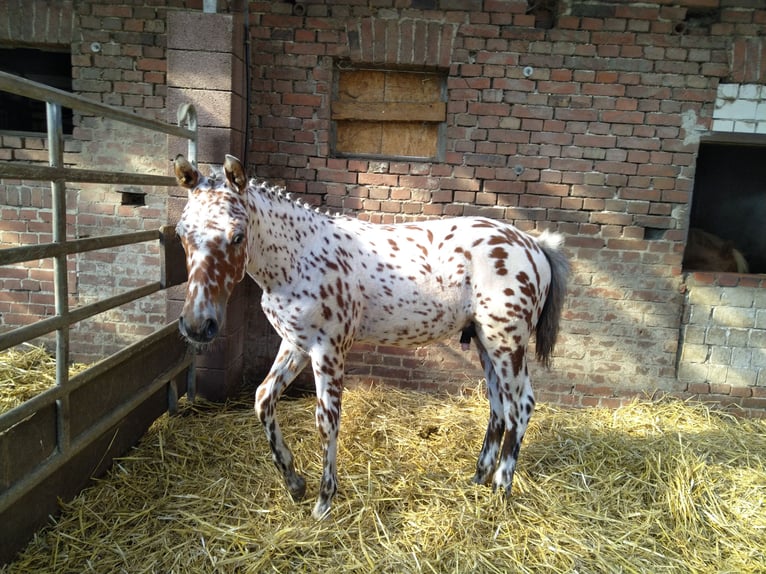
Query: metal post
x,y
58,191
187,113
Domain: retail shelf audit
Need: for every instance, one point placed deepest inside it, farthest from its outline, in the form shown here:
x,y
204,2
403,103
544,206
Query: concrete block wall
x,y
590,127
723,340
210,75
740,108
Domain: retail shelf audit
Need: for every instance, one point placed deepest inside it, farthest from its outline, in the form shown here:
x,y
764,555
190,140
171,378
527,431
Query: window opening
x,y
53,68
728,209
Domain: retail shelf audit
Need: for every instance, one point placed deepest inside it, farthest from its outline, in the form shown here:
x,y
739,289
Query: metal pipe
x,y
13,255
11,418
16,170
44,326
29,89
39,474
58,193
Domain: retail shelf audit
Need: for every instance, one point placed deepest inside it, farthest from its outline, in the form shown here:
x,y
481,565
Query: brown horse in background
x,y
708,252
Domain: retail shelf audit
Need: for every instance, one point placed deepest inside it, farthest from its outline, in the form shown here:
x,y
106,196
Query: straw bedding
x,y
27,371
650,487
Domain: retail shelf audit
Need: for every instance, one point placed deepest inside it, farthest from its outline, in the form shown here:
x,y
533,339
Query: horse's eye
x,y
238,238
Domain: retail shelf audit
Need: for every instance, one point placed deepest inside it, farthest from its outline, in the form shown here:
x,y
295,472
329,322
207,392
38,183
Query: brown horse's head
x,y
214,231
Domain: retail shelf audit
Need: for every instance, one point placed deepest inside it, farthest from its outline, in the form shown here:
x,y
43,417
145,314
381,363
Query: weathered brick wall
x,y
119,57
25,207
588,124
598,140
128,71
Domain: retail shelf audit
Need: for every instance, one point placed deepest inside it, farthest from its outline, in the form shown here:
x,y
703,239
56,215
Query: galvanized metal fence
x,y
85,422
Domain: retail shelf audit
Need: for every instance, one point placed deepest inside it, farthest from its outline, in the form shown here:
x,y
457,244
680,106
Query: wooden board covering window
x,y
388,113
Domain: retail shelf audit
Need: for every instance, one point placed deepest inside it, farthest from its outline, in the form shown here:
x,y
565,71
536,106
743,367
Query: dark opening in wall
x,y
544,11
54,68
728,207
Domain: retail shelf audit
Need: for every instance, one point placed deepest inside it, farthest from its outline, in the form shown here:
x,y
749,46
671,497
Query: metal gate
x,y
51,445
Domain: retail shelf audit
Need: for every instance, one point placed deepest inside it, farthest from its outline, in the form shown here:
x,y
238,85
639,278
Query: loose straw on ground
x,y
650,487
25,372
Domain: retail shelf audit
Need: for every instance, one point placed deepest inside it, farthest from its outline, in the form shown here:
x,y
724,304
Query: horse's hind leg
x,y
487,460
289,363
518,404
511,405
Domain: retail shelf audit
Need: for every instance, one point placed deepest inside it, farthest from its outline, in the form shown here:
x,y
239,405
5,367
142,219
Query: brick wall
x,y
127,71
590,127
119,57
25,207
587,121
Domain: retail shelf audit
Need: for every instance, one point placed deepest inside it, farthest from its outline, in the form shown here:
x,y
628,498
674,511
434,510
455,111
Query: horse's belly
x,y
414,321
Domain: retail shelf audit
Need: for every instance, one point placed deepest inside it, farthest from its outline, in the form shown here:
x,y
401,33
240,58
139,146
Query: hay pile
x,y
667,487
25,372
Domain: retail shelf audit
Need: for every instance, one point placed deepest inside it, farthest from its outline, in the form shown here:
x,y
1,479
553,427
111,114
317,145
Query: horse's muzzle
x,y
204,333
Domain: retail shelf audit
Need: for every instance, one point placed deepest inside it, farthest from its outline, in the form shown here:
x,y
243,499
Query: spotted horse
x,y
330,281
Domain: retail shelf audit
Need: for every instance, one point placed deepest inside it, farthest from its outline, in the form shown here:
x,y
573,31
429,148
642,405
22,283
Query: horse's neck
x,y
282,231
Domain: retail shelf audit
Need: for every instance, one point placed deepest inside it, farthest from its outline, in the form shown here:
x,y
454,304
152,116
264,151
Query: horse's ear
x,y
186,175
235,173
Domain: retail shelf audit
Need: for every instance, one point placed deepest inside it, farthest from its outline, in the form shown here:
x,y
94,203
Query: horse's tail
x,y
547,329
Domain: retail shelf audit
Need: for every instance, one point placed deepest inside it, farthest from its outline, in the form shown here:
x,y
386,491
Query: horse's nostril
x,y
209,329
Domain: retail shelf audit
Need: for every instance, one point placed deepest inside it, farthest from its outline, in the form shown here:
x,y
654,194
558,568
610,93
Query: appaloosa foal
x,y
329,282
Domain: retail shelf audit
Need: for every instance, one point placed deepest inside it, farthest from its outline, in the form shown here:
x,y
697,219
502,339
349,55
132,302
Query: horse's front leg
x,y
289,363
328,375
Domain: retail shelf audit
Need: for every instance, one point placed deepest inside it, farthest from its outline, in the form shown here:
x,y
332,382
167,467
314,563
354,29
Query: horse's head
x,y
213,231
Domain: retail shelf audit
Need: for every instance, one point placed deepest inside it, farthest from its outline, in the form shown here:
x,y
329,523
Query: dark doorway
x,y
729,198
53,68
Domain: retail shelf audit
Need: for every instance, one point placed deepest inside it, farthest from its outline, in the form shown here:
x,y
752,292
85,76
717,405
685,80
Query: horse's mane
x,y
280,193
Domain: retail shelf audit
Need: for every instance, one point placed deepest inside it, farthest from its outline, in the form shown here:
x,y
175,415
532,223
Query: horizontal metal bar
x,y
28,332
51,465
38,172
29,89
44,326
28,408
86,311
12,255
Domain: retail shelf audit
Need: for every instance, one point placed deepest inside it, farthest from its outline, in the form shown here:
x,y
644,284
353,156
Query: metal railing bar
x,y
45,326
61,282
58,176
86,311
28,408
27,88
28,332
11,255
37,172
52,464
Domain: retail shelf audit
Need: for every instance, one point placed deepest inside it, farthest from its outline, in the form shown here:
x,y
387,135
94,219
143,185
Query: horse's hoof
x,y
479,479
297,489
321,510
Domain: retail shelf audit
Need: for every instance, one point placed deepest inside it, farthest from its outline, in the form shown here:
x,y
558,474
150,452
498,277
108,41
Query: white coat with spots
x,y
331,281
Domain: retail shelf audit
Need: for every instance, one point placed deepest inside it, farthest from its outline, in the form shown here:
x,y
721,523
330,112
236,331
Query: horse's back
x,y
421,282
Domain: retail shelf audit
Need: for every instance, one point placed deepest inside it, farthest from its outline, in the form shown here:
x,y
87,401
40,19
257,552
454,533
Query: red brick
x,y
622,117
603,89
